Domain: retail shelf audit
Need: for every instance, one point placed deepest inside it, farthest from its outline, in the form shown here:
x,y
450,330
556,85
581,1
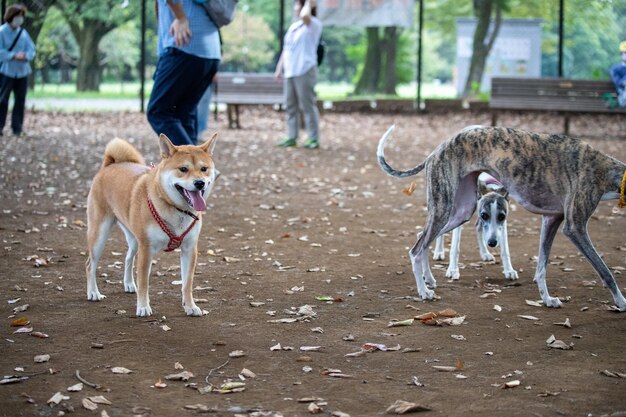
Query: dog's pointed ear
x,y
209,145
167,147
481,190
502,192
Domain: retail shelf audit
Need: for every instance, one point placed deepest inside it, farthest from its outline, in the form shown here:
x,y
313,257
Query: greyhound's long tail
x,y
380,153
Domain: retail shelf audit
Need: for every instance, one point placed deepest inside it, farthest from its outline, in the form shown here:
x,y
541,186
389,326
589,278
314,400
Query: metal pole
x,y
561,13
142,64
419,53
281,24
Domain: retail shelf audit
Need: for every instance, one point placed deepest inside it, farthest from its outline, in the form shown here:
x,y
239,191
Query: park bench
x,y
237,89
552,94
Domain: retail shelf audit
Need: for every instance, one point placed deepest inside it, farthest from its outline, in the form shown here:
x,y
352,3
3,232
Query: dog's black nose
x,y
199,184
492,243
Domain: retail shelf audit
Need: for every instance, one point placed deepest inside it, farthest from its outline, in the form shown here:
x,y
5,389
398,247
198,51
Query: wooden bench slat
x,y
552,94
235,89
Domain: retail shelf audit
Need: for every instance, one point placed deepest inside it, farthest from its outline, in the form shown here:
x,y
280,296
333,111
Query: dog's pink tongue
x,y
197,201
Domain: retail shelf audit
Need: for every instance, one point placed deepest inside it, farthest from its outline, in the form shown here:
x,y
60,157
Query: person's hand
x,y
278,74
306,13
20,56
180,31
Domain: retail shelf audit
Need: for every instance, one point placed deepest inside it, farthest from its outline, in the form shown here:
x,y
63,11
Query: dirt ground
x,y
291,231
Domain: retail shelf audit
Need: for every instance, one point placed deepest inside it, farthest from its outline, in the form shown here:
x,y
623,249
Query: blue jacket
x,y
205,39
618,75
9,66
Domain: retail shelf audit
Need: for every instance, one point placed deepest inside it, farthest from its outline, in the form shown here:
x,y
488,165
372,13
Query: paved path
x,y
84,104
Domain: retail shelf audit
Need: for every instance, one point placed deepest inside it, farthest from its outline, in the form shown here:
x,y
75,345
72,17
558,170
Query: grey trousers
x,y
300,97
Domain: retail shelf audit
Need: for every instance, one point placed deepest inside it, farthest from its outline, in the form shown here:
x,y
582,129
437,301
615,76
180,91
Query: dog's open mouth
x,y
195,199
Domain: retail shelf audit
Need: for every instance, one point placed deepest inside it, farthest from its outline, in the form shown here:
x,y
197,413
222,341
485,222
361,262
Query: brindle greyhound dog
x,y
557,176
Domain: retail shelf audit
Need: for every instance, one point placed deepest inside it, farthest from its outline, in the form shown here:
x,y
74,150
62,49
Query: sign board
x,y
515,53
366,13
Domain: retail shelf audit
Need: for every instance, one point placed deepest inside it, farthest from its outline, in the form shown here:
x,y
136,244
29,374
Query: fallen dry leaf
x,y
314,408
409,189
553,343
525,317
612,374
22,321
511,384
120,370
404,407
76,387
89,405
182,376
57,398
42,358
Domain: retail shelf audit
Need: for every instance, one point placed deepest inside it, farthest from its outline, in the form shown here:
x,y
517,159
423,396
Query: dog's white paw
x,y
487,257
144,311
439,256
453,274
511,274
427,294
552,302
130,287
95,296
193,311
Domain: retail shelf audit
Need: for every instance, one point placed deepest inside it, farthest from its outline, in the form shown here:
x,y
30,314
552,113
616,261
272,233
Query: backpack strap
x,y
15,40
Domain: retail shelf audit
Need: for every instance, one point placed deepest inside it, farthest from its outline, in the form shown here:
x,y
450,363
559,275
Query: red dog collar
x,y
175,241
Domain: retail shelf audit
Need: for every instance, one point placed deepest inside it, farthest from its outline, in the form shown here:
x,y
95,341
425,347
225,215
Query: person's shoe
x,y
311,144
286,143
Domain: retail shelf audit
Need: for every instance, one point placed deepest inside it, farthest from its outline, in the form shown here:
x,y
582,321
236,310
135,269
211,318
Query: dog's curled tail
x,y
118,150
380,153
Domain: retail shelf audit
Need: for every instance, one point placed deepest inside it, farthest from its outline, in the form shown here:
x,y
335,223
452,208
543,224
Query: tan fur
x,y
118,150
120,192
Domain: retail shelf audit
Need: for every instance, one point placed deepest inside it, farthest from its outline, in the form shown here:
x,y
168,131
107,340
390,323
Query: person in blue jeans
x,y
204,107
189,56
618,75
17,49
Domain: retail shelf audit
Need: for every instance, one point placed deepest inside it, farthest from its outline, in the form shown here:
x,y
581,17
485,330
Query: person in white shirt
x,y
298,67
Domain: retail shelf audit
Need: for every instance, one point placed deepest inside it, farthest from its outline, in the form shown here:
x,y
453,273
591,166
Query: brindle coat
x,y
557,176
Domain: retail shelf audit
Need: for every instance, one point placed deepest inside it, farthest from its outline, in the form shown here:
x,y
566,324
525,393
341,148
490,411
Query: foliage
x,y
592,32
248,44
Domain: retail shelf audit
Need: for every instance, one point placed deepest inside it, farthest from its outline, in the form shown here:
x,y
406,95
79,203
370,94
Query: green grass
x,y
343,91
107,90
325,91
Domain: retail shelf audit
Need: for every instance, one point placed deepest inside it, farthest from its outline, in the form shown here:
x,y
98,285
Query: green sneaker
x,y
311,144
286,143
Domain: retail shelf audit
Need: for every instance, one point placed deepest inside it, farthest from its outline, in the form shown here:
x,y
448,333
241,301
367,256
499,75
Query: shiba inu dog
x,y
158,208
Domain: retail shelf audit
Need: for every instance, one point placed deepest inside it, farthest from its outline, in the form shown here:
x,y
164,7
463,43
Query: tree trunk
x,y
89,69
37,10
368,82
481,46
391,48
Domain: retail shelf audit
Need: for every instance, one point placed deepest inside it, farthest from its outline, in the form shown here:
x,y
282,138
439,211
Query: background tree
x,y
37,11
90,21
483,40
379,72
249,44
57,51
